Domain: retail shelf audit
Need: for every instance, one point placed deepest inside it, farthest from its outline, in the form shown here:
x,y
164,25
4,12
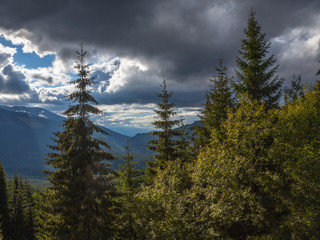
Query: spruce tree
x,y
4,209
185,145
17,210
219,99
295,92
81,205
128,184
128,172
28,212
256,71
164,145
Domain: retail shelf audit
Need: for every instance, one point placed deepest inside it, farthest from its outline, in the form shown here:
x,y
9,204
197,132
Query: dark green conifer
x,y
17,210
28,212
185,145
164,145
219,99
4,209
295,92
256,71
128,179
128,172
81,205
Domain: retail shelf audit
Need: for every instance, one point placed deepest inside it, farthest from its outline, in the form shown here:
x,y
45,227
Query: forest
x,y
249,170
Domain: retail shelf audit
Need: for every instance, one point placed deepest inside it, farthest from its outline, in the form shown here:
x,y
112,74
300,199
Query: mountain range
x,y
26,132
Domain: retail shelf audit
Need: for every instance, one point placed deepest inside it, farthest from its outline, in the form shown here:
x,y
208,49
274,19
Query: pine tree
x,y
219,99
257,73
128,184
17,210
185,145
296,91
28,212
164,145
81,205
128,172
4,209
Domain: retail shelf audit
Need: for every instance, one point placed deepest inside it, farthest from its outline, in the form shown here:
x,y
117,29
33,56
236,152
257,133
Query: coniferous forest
x,y
249,170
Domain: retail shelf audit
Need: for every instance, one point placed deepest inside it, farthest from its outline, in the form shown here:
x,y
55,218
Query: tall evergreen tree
x,y
4,209
164,145
219,99
295,91
81,205
29,212
257,72
128,172
185,145
128,183
17,210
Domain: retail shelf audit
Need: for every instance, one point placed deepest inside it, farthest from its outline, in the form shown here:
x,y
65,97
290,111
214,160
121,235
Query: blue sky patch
x,y
29,60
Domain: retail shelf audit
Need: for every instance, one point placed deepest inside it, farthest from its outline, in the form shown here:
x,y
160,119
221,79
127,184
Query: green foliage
x,y
297,149
4,209
256,74
128,180
16,205
185,149
296,91
235,180
21,206
79,203
164,145
128,174
219,99
163,211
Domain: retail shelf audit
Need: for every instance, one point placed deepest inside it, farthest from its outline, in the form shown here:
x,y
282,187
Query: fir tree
x,y
128,172
4,209
219,99
128,184
29,212
257,73
164,145
296,91
17,210
185,145
81,205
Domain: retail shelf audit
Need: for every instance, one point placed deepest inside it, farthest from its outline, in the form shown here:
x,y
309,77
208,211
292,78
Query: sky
x,y
133,45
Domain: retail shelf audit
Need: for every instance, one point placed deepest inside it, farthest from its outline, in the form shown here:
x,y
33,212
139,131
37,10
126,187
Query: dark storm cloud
x,y
181,38
186,98
12,82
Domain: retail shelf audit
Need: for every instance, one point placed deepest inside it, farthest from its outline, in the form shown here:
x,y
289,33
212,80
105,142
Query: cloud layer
x,y
134,44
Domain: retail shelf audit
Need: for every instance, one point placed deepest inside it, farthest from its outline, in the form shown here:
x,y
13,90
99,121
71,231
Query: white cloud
x,y
25,38
127,69
54,93
140,116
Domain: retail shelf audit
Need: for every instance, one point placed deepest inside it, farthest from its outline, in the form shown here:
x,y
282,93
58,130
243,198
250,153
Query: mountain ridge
x,y
27,131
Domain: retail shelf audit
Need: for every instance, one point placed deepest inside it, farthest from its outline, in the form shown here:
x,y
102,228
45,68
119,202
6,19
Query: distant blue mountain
x,y
26,132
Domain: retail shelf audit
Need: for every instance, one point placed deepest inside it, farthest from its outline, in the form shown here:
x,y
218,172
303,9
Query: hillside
x,y
26,132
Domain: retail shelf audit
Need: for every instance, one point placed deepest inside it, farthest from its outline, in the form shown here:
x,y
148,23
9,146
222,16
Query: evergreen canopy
x,y
257,73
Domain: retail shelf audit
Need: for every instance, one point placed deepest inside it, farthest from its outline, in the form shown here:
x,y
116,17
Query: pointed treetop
x,y
256,71
82,96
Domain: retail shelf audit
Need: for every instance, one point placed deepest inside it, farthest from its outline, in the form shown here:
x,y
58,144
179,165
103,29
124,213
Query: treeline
x,y
250,170
16,208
